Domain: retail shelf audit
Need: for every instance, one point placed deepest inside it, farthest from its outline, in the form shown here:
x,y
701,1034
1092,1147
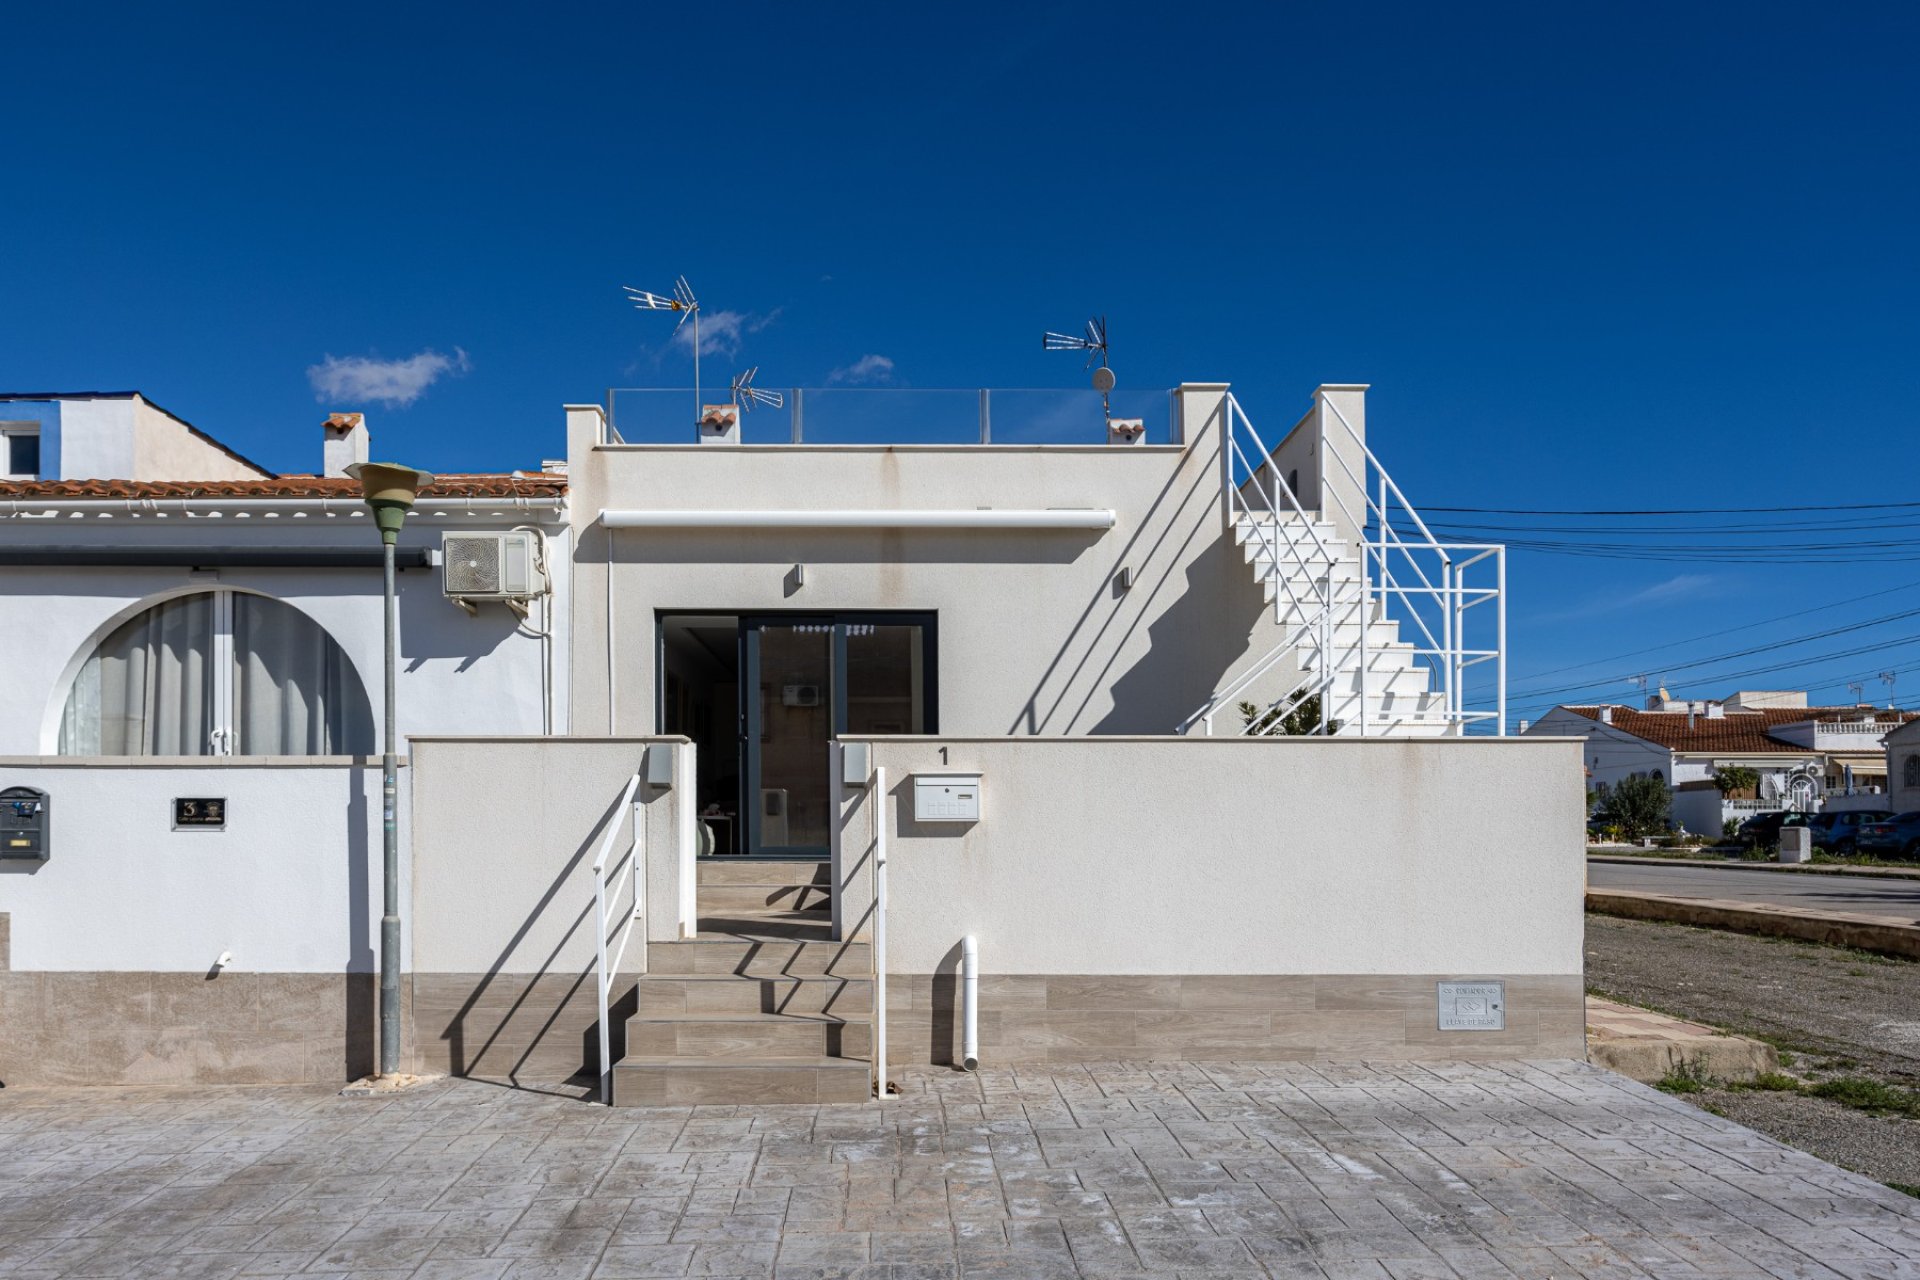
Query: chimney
x,y
1606,715
346,443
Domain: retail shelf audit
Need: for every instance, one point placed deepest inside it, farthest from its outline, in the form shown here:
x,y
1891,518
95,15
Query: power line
x,y
1762,648
1724,631
1672,511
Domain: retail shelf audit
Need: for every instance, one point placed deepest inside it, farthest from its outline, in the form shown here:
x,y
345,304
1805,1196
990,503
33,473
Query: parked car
x,y
1838,832
1764,828
1895,837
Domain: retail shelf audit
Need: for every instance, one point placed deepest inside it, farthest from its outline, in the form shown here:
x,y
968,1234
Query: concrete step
x,y
1288,526
733,993
764,871
1381,678
755,899
1383,637
761,958
746,1036
1306,589
640,1081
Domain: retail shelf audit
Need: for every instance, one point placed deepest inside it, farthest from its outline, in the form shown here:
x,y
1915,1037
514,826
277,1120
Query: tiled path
x,y
1530,1169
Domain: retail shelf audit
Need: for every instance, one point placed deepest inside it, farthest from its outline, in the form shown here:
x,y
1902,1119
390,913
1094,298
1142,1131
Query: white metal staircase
x,y
1374,613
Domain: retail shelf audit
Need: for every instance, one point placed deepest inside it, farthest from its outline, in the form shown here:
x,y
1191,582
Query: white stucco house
x,y
1833,755
1903,767
803,711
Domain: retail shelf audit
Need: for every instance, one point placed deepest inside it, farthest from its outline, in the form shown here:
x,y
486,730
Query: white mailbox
x,y
946,797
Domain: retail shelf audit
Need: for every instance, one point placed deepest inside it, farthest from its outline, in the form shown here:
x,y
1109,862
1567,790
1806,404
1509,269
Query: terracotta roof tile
x,y
1739,731
479,485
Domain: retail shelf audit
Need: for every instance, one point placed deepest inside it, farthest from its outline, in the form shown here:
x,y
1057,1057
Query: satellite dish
x,y
1103,379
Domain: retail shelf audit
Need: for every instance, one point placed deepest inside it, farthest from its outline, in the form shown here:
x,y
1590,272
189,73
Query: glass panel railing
x,y
894,415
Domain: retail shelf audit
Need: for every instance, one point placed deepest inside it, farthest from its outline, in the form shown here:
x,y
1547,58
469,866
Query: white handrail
x,y
879,931
602,976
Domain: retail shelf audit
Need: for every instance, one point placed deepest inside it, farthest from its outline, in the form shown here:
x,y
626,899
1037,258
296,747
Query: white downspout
x,y
969,1004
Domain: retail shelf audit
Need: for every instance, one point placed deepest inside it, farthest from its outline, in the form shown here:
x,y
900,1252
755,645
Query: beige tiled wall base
x,y
514,1028
186,1028
1070,1018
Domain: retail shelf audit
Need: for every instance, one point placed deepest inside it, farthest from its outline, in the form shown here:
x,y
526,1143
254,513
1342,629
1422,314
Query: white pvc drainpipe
x,y
966,518
969,1004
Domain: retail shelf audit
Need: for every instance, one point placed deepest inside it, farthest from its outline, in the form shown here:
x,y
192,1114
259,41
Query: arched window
x,y
1910,772
213,674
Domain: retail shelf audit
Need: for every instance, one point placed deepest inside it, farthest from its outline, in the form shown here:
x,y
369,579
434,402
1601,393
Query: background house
x,y
122,435
1774,733
179,625
1903,768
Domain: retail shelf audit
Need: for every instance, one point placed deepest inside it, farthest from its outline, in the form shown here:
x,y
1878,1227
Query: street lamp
x,y
390,490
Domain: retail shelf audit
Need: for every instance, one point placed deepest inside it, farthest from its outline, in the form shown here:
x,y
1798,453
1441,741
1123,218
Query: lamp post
x,y
390,490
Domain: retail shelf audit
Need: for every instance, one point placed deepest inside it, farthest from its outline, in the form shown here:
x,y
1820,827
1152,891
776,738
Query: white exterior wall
x,y
1902,744
1035,633
165,448
457,674
1232,856
504,843
1609,754
293,885
96,440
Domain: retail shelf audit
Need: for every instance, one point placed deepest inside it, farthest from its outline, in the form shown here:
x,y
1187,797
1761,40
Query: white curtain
x,y
153,686
146,691
294,691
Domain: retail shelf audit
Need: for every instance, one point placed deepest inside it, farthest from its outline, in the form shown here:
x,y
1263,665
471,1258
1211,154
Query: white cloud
x,y
348,379
1680,587
867,369
721,331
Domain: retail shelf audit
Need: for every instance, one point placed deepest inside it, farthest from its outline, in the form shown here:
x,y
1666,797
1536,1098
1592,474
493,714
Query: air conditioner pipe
x,y
969,1004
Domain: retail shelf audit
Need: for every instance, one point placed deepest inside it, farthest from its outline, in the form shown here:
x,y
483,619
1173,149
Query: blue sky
x,y
1609,258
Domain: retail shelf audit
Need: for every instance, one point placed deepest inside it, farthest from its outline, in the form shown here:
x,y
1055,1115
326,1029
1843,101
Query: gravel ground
x,y
1830,1011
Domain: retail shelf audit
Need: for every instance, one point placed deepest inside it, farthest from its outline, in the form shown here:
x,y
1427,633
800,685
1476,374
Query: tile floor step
x,y
761,958
768,926
687,1082
733,870
734,899
746,1037
733,993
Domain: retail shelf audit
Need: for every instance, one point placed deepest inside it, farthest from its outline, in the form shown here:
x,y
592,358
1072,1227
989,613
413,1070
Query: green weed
x,y
1870,1096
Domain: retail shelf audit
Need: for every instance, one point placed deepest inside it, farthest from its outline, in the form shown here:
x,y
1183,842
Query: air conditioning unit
x,y
492,566
800,695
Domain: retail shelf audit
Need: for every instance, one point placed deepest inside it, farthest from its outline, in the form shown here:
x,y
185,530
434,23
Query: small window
x,y
1910,772
22,453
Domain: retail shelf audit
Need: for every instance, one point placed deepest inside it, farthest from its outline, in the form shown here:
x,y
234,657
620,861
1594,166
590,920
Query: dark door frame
x,y
747,727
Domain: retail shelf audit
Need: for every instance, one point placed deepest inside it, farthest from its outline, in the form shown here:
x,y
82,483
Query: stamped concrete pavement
x,y
1537,1169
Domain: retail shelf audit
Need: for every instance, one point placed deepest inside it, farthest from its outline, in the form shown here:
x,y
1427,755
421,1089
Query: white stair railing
x,y
605,967
1404,574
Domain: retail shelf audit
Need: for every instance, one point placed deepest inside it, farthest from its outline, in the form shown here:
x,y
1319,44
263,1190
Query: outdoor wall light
x,y
389,490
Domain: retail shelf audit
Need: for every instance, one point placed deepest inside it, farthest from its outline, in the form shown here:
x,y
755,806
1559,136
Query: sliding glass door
x,y
809,678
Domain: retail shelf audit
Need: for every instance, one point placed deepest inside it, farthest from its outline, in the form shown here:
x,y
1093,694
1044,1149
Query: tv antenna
x,y
746,395
683,303
1887,678
1858,689
1094,343
1640,683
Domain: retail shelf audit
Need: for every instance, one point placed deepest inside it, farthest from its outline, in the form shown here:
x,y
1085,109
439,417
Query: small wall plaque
x,y
199,813
1473,1006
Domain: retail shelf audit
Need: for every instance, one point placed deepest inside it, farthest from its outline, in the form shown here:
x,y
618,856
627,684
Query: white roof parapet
x,y
966,518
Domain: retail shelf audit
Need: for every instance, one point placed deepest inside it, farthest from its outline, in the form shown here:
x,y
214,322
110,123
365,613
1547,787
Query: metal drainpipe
x,y
969,1004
